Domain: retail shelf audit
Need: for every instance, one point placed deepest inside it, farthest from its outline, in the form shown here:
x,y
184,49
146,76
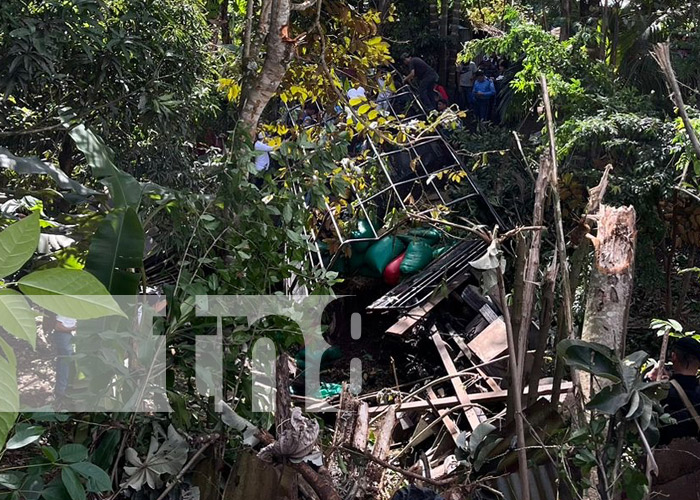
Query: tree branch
x,y
662,56
303,5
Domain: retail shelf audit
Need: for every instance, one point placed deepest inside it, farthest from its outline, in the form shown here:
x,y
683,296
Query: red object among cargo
x,y
392,272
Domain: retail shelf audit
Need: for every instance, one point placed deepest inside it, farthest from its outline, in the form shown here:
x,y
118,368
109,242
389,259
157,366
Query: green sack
x,y
366,271
430,234
364,230
340,265
382,252
356,259
437,252
418,255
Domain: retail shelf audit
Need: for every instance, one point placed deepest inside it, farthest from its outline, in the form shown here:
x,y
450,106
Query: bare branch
x,y
662,56
303,5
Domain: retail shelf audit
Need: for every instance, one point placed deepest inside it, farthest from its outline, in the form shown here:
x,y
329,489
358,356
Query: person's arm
x,y
410,76
491,90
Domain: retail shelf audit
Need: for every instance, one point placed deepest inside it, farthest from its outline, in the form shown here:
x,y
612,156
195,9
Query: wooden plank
x,y
488,313
491,342
445,416
474,415
413,316
451,401
359,439
465,349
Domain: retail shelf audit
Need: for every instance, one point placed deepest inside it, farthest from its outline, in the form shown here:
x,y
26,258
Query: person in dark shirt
x,y
685,356
427,79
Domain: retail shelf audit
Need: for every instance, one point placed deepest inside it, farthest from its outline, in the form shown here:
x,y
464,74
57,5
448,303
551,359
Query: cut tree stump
x,y
610,284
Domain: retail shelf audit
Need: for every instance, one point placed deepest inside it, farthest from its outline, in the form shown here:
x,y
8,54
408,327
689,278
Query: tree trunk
x,y
604,31
383,6
259,88
565,32
610,286
224,23
452,80
65,157
434,18
444,49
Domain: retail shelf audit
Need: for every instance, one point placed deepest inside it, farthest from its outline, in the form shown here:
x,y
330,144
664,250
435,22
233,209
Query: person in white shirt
x,y
262,158
356,93
467,72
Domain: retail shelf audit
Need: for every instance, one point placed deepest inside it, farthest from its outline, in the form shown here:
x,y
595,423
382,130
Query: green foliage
x,y
627,399
138,71
72,475
116,247
570,73
480,444
72,293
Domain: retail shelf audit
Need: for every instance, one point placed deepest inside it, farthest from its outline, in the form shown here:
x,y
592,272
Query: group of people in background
x,y
478,84
477,91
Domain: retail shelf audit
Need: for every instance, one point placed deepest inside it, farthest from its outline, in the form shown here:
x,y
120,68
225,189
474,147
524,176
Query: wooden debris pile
x,y
416,434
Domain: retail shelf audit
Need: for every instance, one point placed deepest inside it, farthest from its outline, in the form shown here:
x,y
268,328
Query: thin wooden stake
x,y
561,241
516,387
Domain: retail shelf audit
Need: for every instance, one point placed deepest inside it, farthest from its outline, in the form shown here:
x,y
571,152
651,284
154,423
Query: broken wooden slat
x,y
359,438
474,415
488,313
477,302
413,316
491,342
381,446
450,401
445,416
465,349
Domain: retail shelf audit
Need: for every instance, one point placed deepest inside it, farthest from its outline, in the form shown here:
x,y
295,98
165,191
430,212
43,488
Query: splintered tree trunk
x,y
610,285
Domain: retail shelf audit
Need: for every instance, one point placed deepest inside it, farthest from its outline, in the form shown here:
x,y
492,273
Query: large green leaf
x,y
9,393
124,190
117,246
25,434
70,292
73,452
594,358
16,316
97,479
72,484
632,368
33,165
17,244
610,399
107,449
